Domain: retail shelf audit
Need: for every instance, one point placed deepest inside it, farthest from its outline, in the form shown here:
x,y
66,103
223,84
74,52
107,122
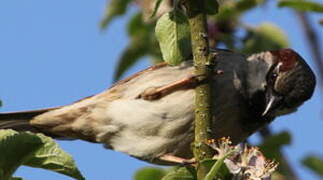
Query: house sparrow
x,y
150,115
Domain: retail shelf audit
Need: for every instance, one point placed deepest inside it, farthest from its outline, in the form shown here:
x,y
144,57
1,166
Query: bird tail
x,y
20,121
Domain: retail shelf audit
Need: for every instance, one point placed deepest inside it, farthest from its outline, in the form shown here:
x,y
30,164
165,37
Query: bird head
x,y
284,81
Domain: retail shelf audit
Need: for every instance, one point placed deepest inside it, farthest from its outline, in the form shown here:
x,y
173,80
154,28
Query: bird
x,y
150,115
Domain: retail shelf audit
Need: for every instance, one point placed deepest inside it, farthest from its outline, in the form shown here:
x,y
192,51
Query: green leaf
x,y
136,25
302,5
15,148
142,43
16,178
182,173
265,37
114,9
51,157
172,32
211,6
148,173
35,150
314,163
231,10
245,5
136,49
271,145
218,168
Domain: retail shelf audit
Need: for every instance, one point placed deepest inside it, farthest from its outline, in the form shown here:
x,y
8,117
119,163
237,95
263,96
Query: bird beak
x,y
273,101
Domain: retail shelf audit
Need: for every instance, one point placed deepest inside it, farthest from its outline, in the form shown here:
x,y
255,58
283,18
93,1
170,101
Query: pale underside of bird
x,y
150,115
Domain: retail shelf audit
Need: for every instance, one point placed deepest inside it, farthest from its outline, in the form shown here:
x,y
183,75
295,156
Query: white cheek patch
x,y
236,81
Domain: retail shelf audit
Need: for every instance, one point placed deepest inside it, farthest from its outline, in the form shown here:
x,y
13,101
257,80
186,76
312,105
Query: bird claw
x,y
151,94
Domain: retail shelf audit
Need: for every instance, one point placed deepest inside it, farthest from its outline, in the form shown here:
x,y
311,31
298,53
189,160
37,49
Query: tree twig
x,y
203,94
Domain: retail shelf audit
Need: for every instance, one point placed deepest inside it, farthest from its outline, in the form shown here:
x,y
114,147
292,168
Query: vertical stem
x,y
203,97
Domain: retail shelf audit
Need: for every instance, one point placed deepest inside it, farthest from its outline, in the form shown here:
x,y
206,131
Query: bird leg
x,y
154,93
177,160
191,81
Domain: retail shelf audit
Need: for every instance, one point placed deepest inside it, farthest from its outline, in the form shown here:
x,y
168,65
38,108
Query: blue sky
x,y
52,53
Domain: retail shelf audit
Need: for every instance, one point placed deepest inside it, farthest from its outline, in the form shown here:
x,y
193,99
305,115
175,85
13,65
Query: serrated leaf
x,y
302,5
114,9
267,36
314,163
182,173
51,157
15,148
148,173
173,35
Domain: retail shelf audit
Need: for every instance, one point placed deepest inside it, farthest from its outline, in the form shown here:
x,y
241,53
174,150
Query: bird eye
x,y
274,75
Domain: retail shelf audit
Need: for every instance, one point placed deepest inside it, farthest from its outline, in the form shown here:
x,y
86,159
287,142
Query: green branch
x,y
203,96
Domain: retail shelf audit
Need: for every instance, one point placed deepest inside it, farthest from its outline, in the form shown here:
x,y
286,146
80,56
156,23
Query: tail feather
x,y
20,121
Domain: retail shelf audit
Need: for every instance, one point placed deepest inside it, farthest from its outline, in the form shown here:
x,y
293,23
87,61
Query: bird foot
x,y
154,93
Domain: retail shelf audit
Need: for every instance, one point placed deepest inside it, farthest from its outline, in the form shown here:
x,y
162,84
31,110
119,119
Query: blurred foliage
x,y
115,8
271,147
34,150
266,36
181,173
175,173
16,178
211,7
148,173
314,163
302,5
222,29
142,42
